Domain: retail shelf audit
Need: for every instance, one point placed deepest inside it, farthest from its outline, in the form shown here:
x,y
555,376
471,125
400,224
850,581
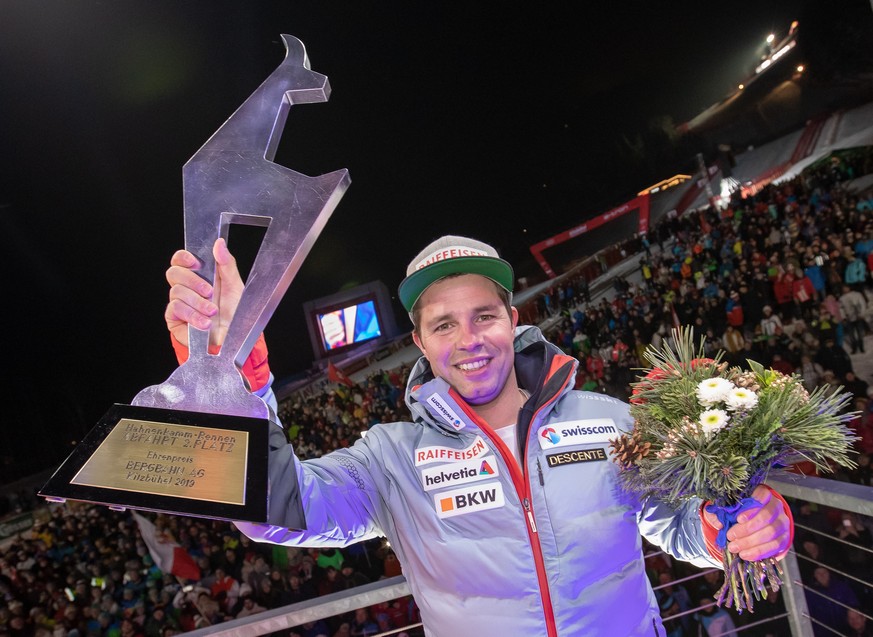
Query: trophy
x,y
197,443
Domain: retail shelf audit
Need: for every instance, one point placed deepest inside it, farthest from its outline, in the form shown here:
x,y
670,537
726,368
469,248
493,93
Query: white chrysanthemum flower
x,y
713,420
741,398
713,390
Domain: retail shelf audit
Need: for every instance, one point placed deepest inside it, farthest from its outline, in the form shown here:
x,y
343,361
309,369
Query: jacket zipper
x,y
522,488
530,517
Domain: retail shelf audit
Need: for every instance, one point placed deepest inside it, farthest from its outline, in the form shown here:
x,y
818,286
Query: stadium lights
x,y
741,86
773,58
770,38
800,68
728,186
675,180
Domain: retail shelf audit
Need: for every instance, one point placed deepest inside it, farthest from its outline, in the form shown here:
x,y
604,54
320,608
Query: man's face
x,y
856,620
466,334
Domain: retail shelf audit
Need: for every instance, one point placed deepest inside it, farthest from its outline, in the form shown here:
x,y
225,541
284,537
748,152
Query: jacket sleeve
x,y
328,501
678,531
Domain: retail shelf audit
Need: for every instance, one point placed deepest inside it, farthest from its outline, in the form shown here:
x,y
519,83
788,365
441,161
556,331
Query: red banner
x,y
640,203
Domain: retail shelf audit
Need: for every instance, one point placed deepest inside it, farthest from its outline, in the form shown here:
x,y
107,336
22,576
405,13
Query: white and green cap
x,y
450,255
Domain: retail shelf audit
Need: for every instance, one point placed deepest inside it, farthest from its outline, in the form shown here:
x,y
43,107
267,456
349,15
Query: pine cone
x,y
628,450
748,380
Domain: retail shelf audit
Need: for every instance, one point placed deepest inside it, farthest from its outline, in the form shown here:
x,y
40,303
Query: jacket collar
x,y
540,367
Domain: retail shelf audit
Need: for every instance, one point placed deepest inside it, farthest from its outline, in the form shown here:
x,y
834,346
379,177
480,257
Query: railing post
x,y
795,598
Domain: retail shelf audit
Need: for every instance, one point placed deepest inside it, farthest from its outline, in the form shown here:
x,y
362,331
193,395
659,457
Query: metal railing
x,y
310,610
831,493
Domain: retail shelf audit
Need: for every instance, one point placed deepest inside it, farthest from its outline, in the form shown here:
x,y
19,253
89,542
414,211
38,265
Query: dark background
x,y
506,121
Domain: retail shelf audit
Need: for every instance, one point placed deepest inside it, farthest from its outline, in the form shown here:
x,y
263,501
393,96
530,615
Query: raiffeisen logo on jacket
x,y
577,432
426,455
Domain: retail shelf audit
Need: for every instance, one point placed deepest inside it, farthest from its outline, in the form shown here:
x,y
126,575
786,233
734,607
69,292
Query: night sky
x,y
506,121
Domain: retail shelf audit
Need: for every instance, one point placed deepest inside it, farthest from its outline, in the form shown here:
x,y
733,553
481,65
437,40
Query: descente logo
x,y
573,457
446,412
577,432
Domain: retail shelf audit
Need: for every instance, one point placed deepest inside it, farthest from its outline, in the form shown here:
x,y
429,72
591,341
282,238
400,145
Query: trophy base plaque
x,y
181,462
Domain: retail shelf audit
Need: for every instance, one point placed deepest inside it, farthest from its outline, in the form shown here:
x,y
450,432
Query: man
x,y
858,624
499,497
771,324
853,306
715,620
831,596
249,607
835,358
855,275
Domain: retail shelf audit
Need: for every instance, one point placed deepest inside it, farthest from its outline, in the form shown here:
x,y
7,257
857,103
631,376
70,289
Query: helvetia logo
x,y
458,473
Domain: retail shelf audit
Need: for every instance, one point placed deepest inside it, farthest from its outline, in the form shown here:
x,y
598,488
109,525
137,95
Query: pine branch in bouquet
x,y
715,432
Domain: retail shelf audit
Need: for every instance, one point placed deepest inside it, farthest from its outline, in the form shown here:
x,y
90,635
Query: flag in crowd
x,y
167,554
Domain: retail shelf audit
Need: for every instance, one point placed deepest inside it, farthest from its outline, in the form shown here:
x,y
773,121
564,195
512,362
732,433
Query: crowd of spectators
x,y
775,278
782,278
334,418
87,572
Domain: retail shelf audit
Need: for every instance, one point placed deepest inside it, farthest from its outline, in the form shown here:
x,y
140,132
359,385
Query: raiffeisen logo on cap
x,y
577,432
452,252
446,412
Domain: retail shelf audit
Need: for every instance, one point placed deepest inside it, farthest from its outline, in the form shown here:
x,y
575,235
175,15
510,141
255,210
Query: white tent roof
x,y
842,130
754,163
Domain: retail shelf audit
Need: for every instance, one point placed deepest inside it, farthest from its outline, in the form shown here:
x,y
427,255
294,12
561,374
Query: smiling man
x,y
498,498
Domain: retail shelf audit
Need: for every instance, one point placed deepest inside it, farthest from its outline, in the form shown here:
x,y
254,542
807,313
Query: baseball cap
x,y
452,255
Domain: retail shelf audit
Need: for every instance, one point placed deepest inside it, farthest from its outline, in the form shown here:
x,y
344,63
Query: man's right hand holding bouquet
x,y
705,430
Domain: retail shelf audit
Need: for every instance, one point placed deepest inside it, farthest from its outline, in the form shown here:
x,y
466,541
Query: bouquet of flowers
x,y
707,430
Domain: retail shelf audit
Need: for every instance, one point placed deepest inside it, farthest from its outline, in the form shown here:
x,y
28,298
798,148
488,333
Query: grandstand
x,y
79,570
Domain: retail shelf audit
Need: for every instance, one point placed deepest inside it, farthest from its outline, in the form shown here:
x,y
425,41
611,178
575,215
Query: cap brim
x,y
416,283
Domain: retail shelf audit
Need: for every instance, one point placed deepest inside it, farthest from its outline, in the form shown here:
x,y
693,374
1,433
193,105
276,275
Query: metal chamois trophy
x,y
197,443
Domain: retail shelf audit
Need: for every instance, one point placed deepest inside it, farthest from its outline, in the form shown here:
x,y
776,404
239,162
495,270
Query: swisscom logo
x,y
446,412
551,435
577,432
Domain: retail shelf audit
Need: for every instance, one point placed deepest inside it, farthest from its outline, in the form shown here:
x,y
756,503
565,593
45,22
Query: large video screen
x,y
349,325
